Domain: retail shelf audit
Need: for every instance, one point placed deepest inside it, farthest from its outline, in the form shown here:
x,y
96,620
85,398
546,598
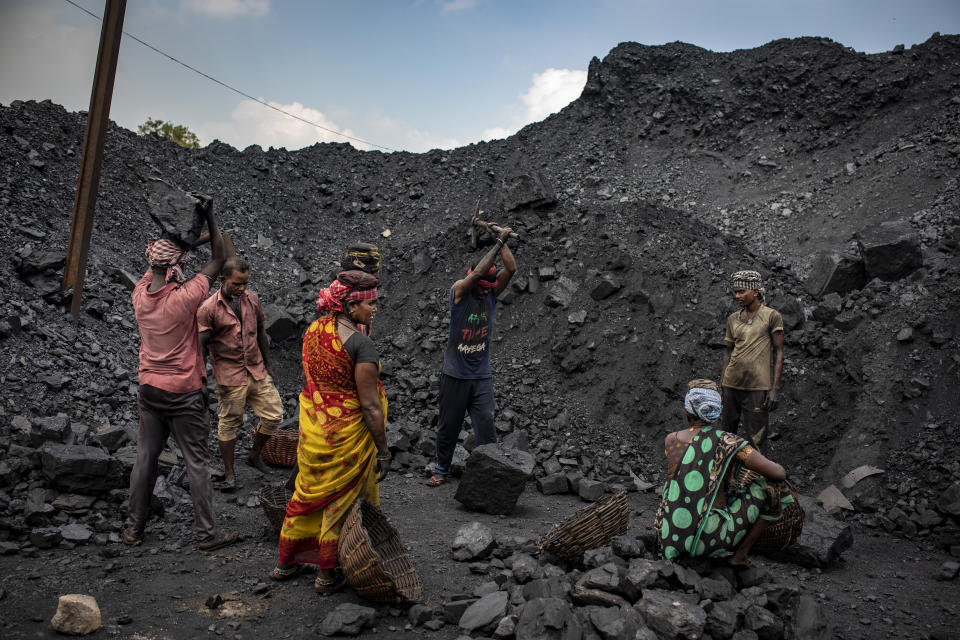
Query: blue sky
x,y
404,74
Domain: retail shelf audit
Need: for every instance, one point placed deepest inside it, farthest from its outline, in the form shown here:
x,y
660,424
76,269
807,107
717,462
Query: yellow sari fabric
x,y
336,454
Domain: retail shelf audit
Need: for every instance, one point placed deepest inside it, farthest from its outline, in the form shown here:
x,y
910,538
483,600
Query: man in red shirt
x,y
171,399
231,325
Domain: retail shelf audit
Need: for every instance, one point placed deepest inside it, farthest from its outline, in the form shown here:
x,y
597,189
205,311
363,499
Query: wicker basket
x,y
590,527
785,531
281,448
374,560
274,498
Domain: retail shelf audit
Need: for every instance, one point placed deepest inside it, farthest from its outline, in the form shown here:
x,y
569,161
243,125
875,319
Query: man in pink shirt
x,y
231,325
171,399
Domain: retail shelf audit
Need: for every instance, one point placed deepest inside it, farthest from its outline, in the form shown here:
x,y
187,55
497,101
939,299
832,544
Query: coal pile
x,y
676,167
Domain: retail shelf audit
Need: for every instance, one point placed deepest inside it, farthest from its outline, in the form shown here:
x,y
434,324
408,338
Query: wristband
x,y
384,456
500,242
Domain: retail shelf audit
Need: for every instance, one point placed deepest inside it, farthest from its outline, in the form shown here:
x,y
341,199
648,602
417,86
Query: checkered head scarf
x,y
749,280
349,285
703,403
167,253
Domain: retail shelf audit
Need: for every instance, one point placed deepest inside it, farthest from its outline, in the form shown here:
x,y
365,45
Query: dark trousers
x,y
457,397
185,416
748,407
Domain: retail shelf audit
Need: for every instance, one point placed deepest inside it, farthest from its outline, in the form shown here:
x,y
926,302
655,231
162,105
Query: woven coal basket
x,y
785,531
274,499
374,560
590,527
281,448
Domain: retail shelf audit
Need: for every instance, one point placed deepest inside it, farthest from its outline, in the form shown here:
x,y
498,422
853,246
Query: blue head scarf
x,y
704,403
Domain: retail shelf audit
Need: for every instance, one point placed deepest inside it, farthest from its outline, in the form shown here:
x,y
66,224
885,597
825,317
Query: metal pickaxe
x,y
476,223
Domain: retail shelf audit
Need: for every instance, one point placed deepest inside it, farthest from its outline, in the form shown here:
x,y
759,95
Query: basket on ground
x,y
274,499
780,534
281,448
374,560
590,527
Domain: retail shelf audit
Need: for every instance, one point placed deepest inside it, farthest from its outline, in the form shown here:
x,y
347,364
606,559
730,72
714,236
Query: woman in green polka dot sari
x,y
706,510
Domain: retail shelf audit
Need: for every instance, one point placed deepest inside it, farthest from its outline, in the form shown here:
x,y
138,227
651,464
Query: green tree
x,y
176,132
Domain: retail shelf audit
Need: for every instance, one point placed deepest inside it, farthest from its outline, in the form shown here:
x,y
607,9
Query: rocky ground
x,y
676,167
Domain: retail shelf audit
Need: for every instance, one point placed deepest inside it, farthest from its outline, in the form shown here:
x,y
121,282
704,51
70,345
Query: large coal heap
x,y
676,167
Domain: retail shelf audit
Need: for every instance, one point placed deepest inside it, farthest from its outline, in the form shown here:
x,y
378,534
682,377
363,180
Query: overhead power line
x,y
234,89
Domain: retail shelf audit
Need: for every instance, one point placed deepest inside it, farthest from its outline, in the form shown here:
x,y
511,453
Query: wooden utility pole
x,y
91,160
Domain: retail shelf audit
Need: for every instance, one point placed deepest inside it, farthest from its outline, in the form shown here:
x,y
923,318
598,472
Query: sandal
x,y
219,541
131,537
437,480
227,486
329,586
279,574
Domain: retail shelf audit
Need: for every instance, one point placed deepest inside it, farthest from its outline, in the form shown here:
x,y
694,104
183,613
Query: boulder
x,y
807,620
829,308
548,619
606,287
550,587
831,272
890,250
494,478
485,612
591,490
77,615
823,540
112,437
526,190
280,324
628,547
791,311
175,211
723,619
74,532
614,623
39,262
347,619
765,624
474,541
552,484
523,566
79,468
54,428
45,537
561,293
671,614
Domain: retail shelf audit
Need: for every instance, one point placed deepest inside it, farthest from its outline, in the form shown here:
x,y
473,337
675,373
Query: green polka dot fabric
x,y
690,522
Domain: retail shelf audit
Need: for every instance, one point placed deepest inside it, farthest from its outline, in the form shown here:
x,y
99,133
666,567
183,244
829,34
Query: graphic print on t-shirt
x,y
473,336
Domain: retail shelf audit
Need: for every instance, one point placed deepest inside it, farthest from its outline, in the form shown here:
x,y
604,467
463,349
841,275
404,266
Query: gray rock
x,y
561,293
614,623
484,612
54,428
347,619
765,624
791,311
474,541
45,537
599,556
549,587
518,439
716,589
948,570
832,272
523,566
453,610
548,619
822,541
280,324
950,500
744,634
418,614
112,437
890,250
506,628
552,484
847,319
36,510
526,190
829,308
24,432
591,490
605,578
79,468
76,533
494,478
175,211
672,614
39,262
628,547
640,574
605,288
807,620
723,619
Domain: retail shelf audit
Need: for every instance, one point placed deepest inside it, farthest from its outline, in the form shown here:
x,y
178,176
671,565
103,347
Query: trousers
x,y
457,398
263,398
748,407
186,418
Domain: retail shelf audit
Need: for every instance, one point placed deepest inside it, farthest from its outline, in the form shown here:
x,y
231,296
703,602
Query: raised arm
x,y
463,287
509,268
212,268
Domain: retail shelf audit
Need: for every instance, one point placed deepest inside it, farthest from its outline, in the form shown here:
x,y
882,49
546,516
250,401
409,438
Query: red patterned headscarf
x,y
349,285
487,280
166,253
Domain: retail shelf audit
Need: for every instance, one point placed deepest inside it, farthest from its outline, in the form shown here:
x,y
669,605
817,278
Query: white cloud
x,y
449,6
398,134
253,123
228,8
549,92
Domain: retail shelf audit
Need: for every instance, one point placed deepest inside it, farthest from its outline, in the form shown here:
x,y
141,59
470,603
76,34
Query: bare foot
x,y
736,561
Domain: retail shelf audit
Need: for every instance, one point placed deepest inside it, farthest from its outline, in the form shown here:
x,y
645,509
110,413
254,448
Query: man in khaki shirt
x,y
753,335
231,326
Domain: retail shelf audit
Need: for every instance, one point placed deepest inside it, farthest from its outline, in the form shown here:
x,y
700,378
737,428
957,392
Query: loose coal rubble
x,y
832,172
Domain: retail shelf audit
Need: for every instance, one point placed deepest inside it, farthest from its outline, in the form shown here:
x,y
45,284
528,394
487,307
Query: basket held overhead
x,y
590,527
374,560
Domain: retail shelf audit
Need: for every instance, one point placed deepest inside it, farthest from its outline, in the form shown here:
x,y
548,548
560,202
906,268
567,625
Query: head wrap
x,y
749,280
487,280
349,285
362,256
703,403
167,253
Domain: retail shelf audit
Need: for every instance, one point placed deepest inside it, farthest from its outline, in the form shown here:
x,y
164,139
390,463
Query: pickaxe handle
x,y
494,227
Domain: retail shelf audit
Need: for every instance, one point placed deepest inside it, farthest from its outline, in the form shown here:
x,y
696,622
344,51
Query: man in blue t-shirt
x,y
466,382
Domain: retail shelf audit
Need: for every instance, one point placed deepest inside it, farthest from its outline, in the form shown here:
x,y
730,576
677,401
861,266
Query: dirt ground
x,y
886,587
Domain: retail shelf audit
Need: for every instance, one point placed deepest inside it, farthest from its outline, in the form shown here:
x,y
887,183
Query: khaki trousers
x,y
263,398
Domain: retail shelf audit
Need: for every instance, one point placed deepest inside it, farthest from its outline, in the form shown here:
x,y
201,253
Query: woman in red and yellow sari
x,y
343,454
